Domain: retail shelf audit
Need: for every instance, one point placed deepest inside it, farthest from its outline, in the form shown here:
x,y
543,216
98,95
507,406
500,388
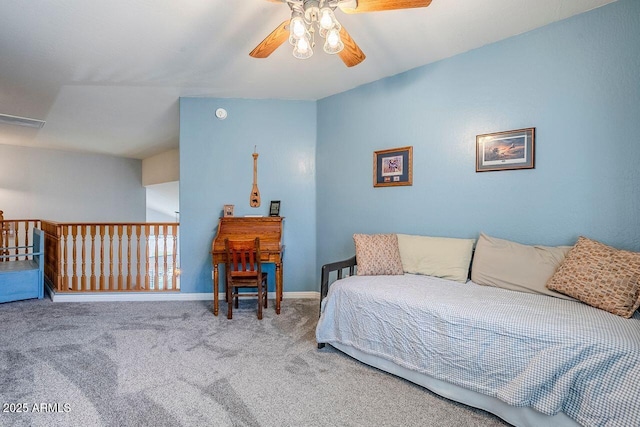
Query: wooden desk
x,y
268,229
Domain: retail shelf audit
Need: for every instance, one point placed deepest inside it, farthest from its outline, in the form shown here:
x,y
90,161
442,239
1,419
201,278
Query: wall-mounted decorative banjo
x,y
254,199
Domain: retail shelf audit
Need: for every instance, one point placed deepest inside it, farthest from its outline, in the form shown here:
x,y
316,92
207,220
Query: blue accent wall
x,y
575,81
216,168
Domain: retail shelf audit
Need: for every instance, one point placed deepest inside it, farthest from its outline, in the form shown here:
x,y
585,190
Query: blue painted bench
x,y
23,279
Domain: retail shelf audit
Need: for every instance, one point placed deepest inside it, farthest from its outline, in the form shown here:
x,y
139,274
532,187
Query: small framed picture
x,y
393,167
513,149
228,210
274,209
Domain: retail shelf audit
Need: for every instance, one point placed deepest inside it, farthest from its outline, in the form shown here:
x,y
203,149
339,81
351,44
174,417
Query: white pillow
x,y
443,257
510,265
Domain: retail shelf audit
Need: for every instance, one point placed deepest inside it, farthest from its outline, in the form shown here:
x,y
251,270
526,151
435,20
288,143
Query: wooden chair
x,y
244,270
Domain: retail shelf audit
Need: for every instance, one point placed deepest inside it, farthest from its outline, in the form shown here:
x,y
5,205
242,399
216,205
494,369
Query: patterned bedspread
x,y
527,350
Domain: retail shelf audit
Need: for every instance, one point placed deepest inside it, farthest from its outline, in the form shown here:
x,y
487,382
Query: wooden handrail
x,y
103,257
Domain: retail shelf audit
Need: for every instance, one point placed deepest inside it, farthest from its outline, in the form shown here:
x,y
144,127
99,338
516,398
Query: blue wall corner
x,y
575,81
216,168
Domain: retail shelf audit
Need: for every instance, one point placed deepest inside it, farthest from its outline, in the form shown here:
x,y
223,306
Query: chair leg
x,y
229,306
266,294
260,301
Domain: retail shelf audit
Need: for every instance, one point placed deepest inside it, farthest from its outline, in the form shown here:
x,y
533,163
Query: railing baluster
x,y
3,244
102,285
147,230
16,240
83,274
165,276
74,261
120,282
174,257
65,284
26,236
129,257
111,274
138,244
157,273
93,258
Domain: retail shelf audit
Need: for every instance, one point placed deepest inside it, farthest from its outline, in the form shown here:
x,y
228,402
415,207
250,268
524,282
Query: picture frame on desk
x,y
228,211
274,208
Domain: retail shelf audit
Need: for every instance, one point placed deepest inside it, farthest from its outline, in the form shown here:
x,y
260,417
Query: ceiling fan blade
x,y
351,54
379,5
272,41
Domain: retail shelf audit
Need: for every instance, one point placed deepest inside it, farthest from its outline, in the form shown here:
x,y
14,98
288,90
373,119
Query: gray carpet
x,y
175,364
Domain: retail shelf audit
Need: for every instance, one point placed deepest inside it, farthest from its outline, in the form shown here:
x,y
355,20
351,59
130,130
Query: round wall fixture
x,y
221,113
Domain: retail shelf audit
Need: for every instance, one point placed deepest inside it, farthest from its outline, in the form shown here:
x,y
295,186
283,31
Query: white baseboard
x,y
159,296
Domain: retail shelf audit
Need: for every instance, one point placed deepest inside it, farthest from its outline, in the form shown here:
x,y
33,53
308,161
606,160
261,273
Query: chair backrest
x,y
243,255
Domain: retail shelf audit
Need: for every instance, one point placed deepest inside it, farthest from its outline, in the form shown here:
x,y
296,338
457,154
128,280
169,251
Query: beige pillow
x,y
443,257
601,276
510,265
377,254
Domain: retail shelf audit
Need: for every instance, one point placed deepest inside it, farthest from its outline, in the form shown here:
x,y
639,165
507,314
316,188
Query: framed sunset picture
x,y
513,149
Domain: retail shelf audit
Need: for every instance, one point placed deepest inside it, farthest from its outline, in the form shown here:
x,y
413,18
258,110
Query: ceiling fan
x,y
311,17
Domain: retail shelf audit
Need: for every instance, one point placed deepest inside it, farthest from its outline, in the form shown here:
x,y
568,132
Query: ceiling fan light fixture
x,y
318,16
327,18
298,27
333,43
302,48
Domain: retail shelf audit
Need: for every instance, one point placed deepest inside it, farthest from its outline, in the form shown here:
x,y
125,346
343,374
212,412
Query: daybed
x,y
532,359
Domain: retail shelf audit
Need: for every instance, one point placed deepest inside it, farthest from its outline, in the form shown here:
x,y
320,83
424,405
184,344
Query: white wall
x,y
163,201
70,186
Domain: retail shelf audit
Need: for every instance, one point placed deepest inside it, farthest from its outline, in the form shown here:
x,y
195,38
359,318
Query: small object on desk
x,y
228,211
274,209
253,216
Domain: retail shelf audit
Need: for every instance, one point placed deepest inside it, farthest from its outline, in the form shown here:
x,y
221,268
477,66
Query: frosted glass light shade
x,y
333,43
298,28
323,32
302,48
327,18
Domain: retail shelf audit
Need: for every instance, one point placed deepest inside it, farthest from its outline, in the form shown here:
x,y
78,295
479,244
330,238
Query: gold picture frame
x,y
393,167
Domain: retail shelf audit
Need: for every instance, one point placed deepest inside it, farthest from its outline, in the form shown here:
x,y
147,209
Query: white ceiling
x,y
107,75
